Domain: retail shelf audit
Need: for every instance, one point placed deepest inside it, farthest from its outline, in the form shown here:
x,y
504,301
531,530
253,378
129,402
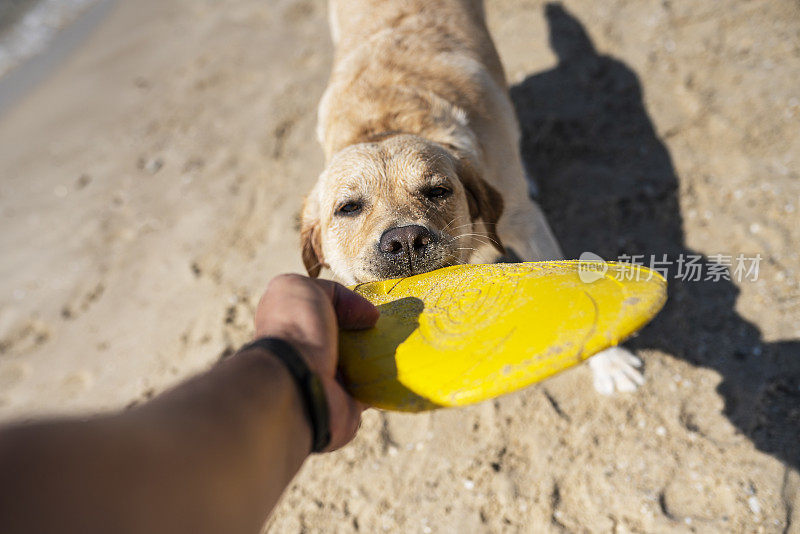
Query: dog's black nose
x,y
409,240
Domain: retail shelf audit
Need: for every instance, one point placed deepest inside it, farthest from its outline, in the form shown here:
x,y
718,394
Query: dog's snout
x,y
409,240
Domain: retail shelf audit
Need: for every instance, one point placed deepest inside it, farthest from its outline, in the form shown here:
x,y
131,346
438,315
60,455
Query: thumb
x,y
353,312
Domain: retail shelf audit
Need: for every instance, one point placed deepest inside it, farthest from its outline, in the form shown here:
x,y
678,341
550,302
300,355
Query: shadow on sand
x,y
608,186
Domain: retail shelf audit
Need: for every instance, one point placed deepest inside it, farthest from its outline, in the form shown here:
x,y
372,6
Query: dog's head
x,y
397,207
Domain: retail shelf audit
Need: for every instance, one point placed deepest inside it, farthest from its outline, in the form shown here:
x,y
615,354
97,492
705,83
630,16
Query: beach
x,y
150,185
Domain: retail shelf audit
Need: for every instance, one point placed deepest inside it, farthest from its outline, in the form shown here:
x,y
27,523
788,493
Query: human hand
x,y
308,314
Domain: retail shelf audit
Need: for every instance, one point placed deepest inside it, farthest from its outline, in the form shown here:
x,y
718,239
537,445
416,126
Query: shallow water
x,y
27,26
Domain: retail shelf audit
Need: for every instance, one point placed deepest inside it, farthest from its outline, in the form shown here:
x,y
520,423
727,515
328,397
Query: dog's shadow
x,y
608,186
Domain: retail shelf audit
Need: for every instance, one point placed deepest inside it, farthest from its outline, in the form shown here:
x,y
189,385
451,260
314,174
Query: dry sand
x,y
150,188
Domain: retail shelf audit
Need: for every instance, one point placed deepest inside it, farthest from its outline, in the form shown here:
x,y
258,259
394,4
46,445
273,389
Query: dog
x,y
423,168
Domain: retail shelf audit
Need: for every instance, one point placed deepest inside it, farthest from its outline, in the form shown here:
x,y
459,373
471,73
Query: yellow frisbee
x,y
468,333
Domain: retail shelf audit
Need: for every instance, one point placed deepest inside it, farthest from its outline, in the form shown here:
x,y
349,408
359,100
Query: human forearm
x,y
211,455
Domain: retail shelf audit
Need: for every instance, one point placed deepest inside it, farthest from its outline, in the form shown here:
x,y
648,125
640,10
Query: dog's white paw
x,y
615,369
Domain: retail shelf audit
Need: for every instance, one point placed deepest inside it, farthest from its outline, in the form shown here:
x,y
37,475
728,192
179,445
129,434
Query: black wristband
x,y
311,390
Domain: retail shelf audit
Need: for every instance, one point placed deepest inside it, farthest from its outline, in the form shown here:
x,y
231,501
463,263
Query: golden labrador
x,y
423,168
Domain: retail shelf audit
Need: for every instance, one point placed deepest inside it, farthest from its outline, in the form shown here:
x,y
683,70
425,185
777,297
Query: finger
x,y
353,311
345,416
286,291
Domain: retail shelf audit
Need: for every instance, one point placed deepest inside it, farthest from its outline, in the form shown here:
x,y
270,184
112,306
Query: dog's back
x,y
461,22
419,66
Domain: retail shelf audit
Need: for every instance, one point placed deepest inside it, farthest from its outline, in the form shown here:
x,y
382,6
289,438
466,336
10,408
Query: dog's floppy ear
x,y
484,201
310,239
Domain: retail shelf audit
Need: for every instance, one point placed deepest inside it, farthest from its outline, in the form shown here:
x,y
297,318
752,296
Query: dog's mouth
x,y
441,251
411,267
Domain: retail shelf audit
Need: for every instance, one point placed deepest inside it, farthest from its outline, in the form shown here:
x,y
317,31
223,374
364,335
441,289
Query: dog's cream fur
x,y
418,102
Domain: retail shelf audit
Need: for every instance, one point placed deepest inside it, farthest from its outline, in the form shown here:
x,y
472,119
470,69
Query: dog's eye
x,y
349,208
437,192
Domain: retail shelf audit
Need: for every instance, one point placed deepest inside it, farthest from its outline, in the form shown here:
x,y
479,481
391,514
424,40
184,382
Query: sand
x,y
150,188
